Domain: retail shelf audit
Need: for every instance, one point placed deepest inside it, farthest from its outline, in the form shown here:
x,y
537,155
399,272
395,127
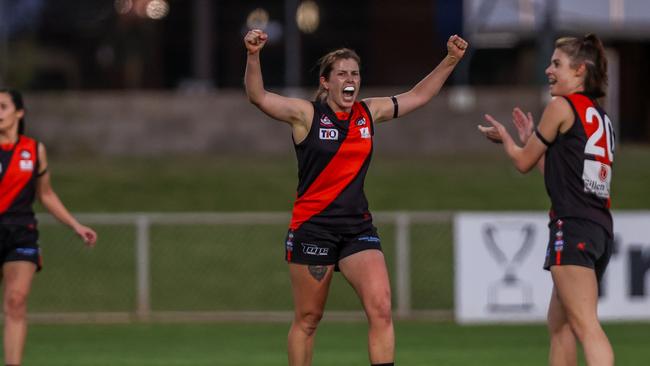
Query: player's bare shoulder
x,y
381,108
559,113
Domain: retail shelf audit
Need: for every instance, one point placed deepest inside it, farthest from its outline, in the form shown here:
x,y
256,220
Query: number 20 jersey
x,y
332,163
578,166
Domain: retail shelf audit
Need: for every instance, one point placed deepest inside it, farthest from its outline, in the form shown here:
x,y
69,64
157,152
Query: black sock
x,y
383,364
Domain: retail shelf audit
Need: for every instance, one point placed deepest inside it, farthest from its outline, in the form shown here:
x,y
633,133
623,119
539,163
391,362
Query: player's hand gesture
x,y
456,47
494,133
255,40
524,124
88,235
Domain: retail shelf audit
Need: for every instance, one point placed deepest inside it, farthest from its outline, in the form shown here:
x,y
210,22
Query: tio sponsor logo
x,y
329,134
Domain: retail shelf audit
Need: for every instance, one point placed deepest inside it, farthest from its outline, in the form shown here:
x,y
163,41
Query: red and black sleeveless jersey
x,y
18,176
332,163
578,167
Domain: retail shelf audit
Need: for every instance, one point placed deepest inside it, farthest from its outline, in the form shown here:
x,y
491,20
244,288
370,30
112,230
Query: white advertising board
x,y
499,275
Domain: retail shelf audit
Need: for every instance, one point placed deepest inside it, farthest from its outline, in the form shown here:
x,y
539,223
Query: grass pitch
x,y
228,344
442,182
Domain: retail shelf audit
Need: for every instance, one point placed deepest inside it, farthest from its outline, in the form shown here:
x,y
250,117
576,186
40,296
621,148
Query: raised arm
x,y
556,118
50,200
296,112
383,109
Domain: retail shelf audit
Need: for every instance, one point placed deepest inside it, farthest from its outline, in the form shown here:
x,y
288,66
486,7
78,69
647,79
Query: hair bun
x,y
591,40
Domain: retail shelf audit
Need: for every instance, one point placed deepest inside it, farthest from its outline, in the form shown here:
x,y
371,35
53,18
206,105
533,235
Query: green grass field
x,y
440,182
227,344
203,254
447,182
76,279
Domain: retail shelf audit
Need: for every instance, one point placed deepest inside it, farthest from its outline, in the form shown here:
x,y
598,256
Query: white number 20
x,y
592,146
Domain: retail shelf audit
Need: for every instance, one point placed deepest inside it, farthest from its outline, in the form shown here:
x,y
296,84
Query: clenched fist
x,y
456,47
255,40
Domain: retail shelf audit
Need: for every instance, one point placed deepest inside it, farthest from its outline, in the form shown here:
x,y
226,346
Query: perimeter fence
x,y
223,266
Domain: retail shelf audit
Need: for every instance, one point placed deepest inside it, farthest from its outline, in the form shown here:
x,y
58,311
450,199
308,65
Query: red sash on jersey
x,y
21,169
339,173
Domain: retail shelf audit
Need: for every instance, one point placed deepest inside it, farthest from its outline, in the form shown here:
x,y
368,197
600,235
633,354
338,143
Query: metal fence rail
x,y
144,307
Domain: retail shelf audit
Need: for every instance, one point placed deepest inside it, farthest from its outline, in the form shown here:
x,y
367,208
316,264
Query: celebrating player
x,y
574,143
331,225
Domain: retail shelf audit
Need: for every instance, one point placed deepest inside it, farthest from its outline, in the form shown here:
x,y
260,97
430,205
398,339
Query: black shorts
x,y
326,246
19,243
579,242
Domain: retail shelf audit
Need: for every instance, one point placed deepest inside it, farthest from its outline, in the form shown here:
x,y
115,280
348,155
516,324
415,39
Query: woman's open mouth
x,y
348,93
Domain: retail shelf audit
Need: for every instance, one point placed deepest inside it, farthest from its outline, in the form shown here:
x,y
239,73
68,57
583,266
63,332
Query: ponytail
x,y
590,51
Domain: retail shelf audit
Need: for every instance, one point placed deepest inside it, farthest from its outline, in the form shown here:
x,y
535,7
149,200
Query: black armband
x,y
395,107
40,174
542,138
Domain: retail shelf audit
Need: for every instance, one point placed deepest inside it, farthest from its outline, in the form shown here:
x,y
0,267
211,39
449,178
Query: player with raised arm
x,y
331,225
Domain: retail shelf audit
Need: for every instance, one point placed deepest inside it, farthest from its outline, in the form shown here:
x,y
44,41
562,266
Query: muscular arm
x,y
382,108
297,112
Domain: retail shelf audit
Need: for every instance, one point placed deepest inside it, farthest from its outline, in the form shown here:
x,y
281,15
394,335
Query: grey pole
x,y
4,39
143,282
292,47
473,23
403,264
545,40
204,38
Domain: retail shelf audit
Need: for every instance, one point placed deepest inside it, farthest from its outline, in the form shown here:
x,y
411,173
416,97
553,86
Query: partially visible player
x,y
574,143
23,177
331,224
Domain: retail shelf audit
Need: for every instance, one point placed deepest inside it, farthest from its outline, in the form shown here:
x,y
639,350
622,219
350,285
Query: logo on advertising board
x,y
509,244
